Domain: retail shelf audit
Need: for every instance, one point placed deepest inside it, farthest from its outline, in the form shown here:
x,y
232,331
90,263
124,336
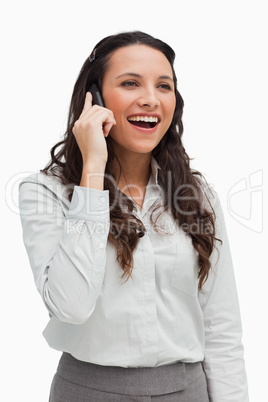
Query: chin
x,y
138,147
143,150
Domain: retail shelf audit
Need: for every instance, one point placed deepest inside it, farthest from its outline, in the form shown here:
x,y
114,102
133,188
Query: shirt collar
x,y
154,168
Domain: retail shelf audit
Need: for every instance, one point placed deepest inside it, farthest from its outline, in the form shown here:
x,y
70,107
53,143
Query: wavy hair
x,y
186,204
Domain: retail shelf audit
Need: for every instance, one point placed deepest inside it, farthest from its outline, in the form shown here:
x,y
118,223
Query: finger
x,y
95,113
107,127
88,102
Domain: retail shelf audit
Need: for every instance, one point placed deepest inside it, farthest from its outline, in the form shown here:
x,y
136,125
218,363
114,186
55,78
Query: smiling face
x,y
138,87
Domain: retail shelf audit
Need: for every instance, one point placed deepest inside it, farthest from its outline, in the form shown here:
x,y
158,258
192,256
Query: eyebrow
x,y
162,77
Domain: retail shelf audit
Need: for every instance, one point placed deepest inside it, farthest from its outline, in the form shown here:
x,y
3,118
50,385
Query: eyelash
x,y
133,83
165,86
128,83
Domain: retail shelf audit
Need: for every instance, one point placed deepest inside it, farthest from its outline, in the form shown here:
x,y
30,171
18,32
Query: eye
x,y
129,84
165,86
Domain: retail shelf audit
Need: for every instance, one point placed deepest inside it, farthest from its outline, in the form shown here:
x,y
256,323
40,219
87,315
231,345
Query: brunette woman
x,y
128,245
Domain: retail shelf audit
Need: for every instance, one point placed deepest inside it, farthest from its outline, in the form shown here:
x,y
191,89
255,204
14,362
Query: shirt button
x,y
101,200
101,246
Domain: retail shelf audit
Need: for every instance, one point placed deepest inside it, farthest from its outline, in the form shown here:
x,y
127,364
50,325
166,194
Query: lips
x,y
143,124
144,121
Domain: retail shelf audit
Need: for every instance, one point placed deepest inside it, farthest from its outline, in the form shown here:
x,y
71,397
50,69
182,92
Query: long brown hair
x,y
187,207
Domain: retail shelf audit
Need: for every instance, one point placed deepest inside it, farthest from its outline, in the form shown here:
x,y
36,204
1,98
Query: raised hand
x,y
90,131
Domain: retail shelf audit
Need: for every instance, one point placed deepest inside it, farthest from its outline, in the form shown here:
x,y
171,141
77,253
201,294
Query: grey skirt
x,y
77,381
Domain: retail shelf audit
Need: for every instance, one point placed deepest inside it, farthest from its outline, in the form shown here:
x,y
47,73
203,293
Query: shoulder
x,y
44,183
209,197
211,202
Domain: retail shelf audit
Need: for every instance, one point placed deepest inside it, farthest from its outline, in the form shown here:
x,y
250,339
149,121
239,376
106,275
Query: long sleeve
x,y
224,362
65,244
157,317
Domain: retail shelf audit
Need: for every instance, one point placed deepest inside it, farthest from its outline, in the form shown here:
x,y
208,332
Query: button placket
x,y
99,254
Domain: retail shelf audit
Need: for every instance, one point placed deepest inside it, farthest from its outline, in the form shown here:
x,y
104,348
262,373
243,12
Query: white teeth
x,y
150,119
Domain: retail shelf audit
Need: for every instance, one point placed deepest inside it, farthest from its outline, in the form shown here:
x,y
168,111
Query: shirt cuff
x,y
88,204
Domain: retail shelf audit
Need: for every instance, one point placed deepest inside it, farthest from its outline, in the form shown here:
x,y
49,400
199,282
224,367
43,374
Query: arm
x,y
66,251
224,362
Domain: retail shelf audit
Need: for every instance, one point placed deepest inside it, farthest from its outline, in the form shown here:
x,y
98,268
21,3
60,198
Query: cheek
x,y
171,110
117,102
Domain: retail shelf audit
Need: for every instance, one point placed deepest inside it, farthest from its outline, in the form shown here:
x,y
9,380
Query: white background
x,y
221,65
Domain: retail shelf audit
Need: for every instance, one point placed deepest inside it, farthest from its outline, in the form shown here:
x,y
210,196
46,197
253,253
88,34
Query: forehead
x,y
140,59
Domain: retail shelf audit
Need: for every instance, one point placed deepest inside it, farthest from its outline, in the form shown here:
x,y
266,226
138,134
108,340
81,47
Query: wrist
x,y
93,175
96,166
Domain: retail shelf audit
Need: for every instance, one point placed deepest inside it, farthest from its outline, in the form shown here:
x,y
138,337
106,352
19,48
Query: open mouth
x,y
144,121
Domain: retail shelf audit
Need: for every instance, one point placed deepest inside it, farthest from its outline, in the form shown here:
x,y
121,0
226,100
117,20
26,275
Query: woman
x,y
128,245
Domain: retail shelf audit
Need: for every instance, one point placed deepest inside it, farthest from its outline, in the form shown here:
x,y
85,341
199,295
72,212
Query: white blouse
x,y
158,316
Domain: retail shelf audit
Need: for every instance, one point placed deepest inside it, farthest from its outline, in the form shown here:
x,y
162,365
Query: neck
x,y
132,173
134,169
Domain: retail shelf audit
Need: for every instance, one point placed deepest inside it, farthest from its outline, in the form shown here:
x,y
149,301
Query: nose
x,y
148,99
